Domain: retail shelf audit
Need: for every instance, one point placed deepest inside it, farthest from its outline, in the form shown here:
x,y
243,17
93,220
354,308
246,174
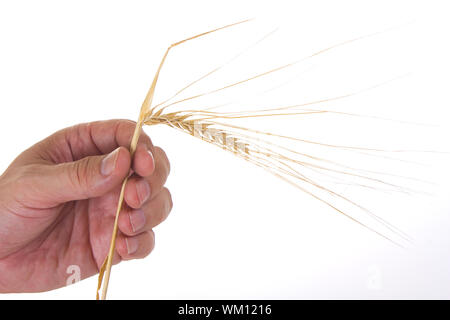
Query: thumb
x,y
86,178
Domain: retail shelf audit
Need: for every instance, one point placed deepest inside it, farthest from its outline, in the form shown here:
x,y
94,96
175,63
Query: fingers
x,y
95,175
88,139
86,178
138,189
148,203
84,161
104,136
135,247
143,161
152,213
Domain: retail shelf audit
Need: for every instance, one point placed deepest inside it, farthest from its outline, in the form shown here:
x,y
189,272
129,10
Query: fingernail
x,y
153,158
137,220
109,163
132,244
143,190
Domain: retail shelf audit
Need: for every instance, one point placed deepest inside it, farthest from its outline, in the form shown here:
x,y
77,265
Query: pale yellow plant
x,y
258,147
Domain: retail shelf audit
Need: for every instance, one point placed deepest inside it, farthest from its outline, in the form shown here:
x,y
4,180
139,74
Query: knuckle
x,y
80,175
125,126
144,138
75,138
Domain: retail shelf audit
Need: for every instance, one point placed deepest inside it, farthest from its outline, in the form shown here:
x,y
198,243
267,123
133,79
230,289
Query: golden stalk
x,y
246,143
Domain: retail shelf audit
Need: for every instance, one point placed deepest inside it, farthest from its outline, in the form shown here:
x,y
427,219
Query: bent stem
x,y
257,147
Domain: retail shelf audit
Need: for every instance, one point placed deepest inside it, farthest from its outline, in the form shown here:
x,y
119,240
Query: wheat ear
x,y
145,112
255,146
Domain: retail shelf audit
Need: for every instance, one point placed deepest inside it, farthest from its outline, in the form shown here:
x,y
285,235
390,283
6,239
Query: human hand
x,y
58,201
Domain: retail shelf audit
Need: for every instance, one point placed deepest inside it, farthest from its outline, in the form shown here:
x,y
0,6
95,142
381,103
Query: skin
x,y
58,201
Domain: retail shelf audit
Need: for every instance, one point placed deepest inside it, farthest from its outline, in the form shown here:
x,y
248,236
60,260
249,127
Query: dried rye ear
x,y
285,161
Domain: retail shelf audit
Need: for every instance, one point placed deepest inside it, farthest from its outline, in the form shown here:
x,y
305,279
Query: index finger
x,y
102,137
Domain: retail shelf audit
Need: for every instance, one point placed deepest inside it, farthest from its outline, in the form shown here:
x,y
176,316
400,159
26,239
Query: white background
x,y
235,231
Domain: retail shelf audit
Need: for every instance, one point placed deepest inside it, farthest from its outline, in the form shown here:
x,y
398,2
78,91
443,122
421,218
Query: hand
x,y
58,201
